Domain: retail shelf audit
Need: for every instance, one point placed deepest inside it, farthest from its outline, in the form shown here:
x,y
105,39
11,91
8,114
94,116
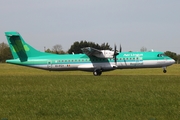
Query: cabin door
x,y
49,64
139,61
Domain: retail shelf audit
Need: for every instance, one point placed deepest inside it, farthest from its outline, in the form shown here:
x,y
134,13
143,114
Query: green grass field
x,y
134,94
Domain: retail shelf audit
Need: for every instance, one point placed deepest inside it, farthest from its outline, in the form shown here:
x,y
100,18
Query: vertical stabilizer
x,y
19,48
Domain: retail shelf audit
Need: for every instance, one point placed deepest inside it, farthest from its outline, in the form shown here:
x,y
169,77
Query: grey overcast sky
x,y
154,24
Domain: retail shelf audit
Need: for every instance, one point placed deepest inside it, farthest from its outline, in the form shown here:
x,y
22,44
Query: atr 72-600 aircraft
x,y
93,60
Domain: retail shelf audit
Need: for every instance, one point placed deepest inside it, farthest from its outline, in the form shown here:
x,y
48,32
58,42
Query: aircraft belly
x,y
139,64
104,66
150,63
92,66
127,64
56,67
85,67
60,67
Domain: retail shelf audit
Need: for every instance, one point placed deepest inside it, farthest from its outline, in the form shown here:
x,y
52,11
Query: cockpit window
x,y
161,55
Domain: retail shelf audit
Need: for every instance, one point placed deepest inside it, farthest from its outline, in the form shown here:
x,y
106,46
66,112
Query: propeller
x,y
116,53
120,49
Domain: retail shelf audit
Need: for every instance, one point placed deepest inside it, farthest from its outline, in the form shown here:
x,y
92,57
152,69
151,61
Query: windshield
x,y
161,55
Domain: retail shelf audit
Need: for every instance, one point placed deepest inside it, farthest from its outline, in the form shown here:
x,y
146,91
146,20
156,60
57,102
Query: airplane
x,y
92,60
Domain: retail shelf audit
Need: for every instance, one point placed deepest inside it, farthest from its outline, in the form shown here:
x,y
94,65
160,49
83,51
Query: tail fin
x,y
19,48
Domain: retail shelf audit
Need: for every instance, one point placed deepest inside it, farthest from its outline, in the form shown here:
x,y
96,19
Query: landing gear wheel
x,y
97,72
164,71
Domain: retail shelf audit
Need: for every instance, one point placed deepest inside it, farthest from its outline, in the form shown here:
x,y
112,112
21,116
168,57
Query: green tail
x,y
19,48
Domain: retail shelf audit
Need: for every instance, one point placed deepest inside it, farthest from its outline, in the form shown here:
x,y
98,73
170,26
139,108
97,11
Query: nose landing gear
x,y
164,70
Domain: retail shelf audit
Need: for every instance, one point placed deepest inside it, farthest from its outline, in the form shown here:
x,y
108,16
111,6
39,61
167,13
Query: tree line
x,y
5,52
75,48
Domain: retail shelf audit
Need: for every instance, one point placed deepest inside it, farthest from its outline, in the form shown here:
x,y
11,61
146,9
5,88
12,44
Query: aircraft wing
x,y
91,51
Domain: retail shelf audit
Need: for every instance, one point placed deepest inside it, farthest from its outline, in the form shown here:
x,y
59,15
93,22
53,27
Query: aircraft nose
x,y
172,61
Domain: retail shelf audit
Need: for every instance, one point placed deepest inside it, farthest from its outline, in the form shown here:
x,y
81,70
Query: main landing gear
x,y
97,72
164,70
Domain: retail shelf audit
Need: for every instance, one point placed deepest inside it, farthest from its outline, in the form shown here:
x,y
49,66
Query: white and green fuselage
x,y
26,55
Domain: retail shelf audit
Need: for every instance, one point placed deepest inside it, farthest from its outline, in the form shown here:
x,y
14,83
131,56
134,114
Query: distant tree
x,y
5,52
57,49
76,47
48,51
105,46
143,49
178,59
173,55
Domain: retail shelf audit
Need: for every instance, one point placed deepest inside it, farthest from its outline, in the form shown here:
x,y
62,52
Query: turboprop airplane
x,y
93,60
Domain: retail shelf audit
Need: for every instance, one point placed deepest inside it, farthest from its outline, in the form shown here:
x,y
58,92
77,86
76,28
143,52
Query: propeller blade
x,y
114,49
120,49
115,54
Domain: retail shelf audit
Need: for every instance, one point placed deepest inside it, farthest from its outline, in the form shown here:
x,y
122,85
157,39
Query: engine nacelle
x,y
105,54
